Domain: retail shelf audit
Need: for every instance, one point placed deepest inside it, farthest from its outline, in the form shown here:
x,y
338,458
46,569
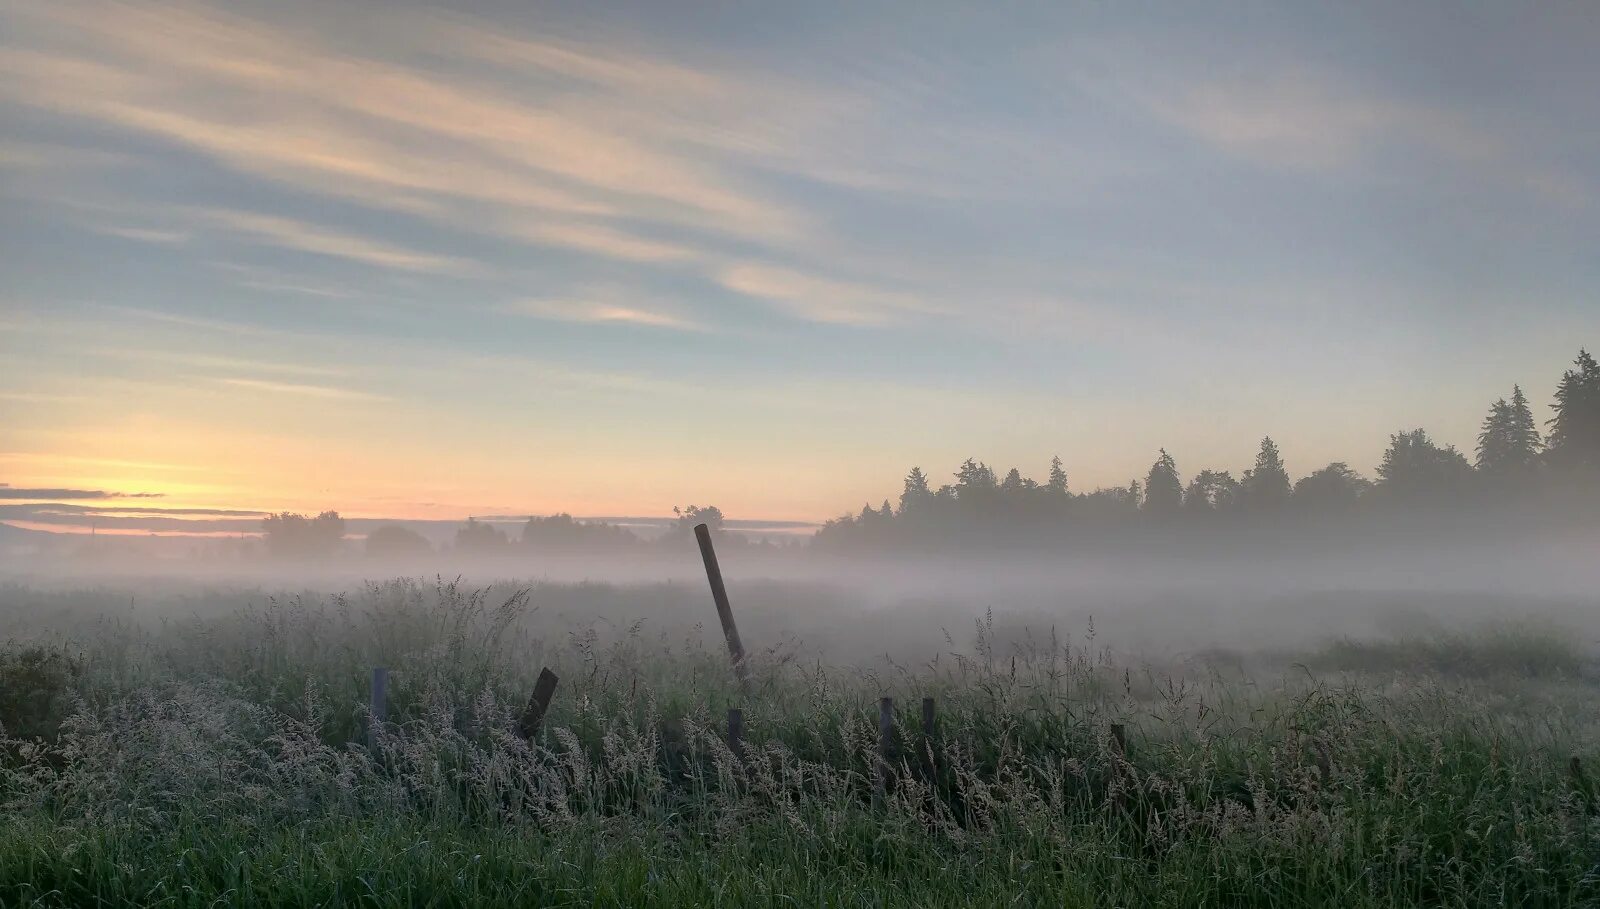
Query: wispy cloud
x,y
35,457
218,361
165,72
649,144
60,509
1298,118
600,313
309,391
40,397
608,242
288,233
15,492
820,299
147,234
221,326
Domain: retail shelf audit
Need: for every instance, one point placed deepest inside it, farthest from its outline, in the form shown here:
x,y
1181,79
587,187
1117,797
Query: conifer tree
x,y
1163,491
1575,429
1058,477
1266,485
916,493
1509,443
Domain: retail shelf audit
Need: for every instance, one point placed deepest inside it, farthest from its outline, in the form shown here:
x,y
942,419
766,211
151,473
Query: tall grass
x,y
227,760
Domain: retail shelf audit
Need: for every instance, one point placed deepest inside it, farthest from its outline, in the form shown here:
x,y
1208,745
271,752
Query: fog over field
x,y
910,455
1172,598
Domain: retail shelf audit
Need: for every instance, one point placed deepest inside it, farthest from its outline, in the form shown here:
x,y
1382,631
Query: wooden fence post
x,y
1119,739
736,731
719,594
378,709
885,742
927,720
533,715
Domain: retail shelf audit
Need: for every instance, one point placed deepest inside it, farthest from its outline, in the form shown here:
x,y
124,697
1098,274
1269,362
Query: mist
x,y
717,455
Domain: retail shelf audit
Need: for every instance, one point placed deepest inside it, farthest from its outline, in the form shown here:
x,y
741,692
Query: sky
x,y
609,258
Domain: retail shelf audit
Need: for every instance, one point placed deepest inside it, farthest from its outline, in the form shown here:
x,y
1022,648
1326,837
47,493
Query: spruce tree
x,y
1163,491
1058,477
1575,429
1013,481
1509,443
1494,439
916,493
1266,485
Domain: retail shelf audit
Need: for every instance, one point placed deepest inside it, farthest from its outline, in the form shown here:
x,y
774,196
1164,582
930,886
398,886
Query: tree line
x,y
1514,461
297,536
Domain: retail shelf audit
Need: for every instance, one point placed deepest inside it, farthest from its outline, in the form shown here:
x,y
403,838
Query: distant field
x,y
187,748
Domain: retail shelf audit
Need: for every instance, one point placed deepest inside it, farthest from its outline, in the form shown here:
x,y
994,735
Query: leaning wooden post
x,y
1119,739
927,738
736,731
719,593
885,742
378,710
533,715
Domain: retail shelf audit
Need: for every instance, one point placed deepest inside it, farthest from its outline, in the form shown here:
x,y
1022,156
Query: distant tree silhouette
x,y
709,515
977,493
1266,485
1416,475
1332,489
1211,490
916,496
395,540
1058,478
1575,429
1110,504
1163,491
297,537
563,531
1509,443
974,478
1414,467
478,537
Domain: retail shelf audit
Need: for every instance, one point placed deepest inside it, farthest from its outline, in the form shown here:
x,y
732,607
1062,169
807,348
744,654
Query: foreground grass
x,y
227,762
377,864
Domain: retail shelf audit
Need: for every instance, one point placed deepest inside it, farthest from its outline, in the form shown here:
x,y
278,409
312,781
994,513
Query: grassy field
x,y
223,754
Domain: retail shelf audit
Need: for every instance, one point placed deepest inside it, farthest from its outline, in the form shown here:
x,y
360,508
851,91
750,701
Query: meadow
x,y
207,748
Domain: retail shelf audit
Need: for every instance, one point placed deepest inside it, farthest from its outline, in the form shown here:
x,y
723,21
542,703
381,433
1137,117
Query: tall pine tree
x,y
1575,429
1058,477
1266,485
1509,443
1163,491
916,494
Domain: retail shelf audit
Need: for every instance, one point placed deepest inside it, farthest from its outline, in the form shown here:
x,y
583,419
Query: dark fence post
x,y
378,706
736,731
533,715
927,720
719,594
885,742
1119,739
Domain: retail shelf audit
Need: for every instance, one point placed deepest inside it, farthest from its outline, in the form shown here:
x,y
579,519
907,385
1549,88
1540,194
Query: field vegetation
x,y
221,752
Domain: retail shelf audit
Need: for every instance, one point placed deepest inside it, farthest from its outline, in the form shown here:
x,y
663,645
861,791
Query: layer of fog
x,y
914,608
